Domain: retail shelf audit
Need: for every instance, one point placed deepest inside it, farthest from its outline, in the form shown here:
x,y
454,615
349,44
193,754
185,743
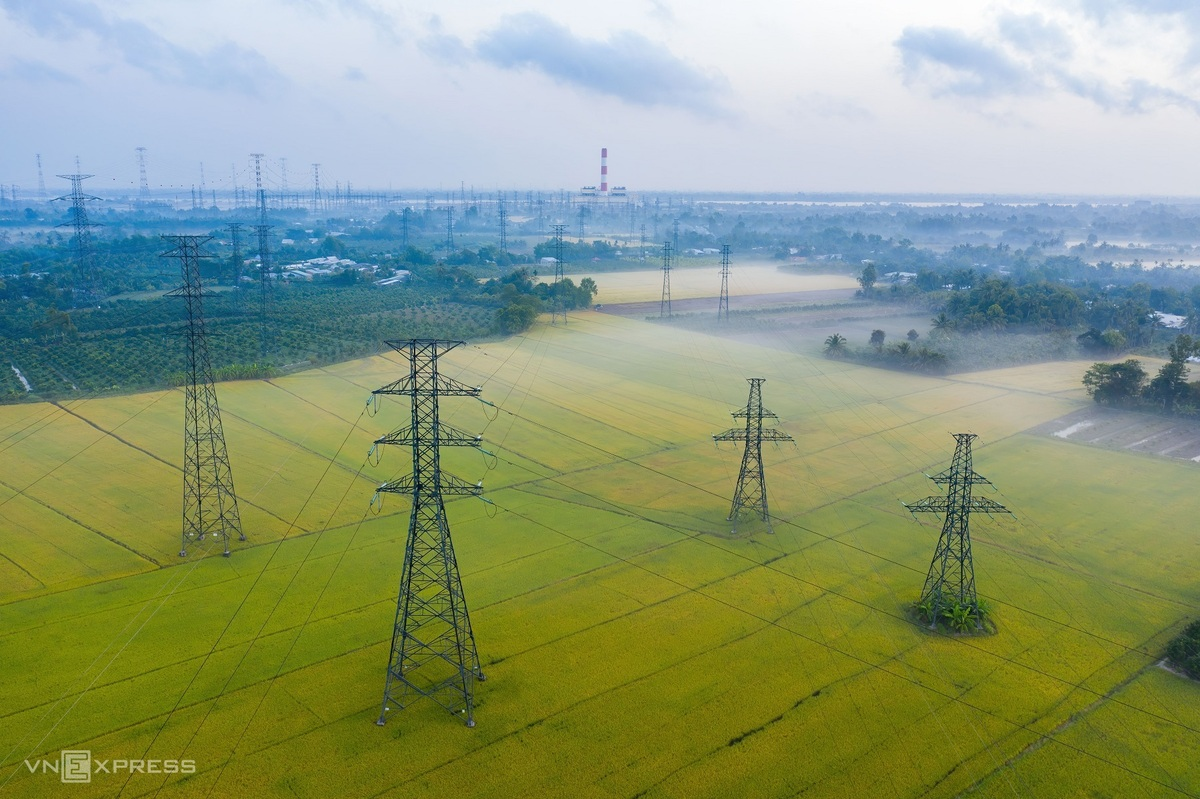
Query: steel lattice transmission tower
x,y
209,502
433,648
503,228
723,302
143,183
751,491
951,579
449,228
235,259
82,227
664,306
266,291
557,307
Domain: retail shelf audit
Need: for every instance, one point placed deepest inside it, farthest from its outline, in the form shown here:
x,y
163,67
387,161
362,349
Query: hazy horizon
x,y
1079,98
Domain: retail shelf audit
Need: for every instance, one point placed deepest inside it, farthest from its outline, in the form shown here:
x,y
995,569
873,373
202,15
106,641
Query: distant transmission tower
x,y
558,307
723,302
404,215
449,228
202,188
260,195
642,255
951,579
266,290
41,180
143,184
664,305
675,235
503,228
433,648
235,260
316,196
209,502
582,216
751,491
283,184
83,236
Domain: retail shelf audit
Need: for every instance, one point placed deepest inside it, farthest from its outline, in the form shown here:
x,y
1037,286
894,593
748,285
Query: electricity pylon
x,y
266,291
558,307
209,502
723,302
235,260
503,228
751,491
433,648
664,305
950,583
84,256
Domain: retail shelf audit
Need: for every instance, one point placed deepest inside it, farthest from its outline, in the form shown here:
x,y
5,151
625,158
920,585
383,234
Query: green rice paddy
x,y
634,645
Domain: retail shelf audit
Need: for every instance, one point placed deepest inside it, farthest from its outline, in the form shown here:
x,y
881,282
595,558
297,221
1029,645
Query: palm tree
x,y
942,324
835,346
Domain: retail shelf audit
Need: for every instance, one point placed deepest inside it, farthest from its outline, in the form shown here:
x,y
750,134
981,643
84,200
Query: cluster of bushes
x,y
1125,384
521,300
904,355
953,615
1184,652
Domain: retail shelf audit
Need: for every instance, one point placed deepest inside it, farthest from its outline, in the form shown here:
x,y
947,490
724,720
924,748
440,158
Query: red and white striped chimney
x,y
604,171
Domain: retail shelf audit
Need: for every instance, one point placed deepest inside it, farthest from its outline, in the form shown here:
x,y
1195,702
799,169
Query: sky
x,y
1064,97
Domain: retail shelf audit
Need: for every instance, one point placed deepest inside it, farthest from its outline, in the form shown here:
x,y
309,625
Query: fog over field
x,y
642,400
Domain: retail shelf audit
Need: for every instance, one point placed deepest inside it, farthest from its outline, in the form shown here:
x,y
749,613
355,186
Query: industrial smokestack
x,y
603,171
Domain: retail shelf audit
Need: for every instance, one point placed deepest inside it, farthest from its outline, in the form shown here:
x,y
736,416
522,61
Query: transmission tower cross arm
x,y
445,387
747,413
447,484
447,436
944,478
929,505
740,434
943,505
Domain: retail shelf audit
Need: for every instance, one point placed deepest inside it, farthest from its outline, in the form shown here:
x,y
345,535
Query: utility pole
x,y
209,502
84,259
664,305
557,308
433,650
751,491
949,591
723,302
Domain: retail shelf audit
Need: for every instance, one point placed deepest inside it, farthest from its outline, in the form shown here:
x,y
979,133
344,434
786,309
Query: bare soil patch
x,y
1132,431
